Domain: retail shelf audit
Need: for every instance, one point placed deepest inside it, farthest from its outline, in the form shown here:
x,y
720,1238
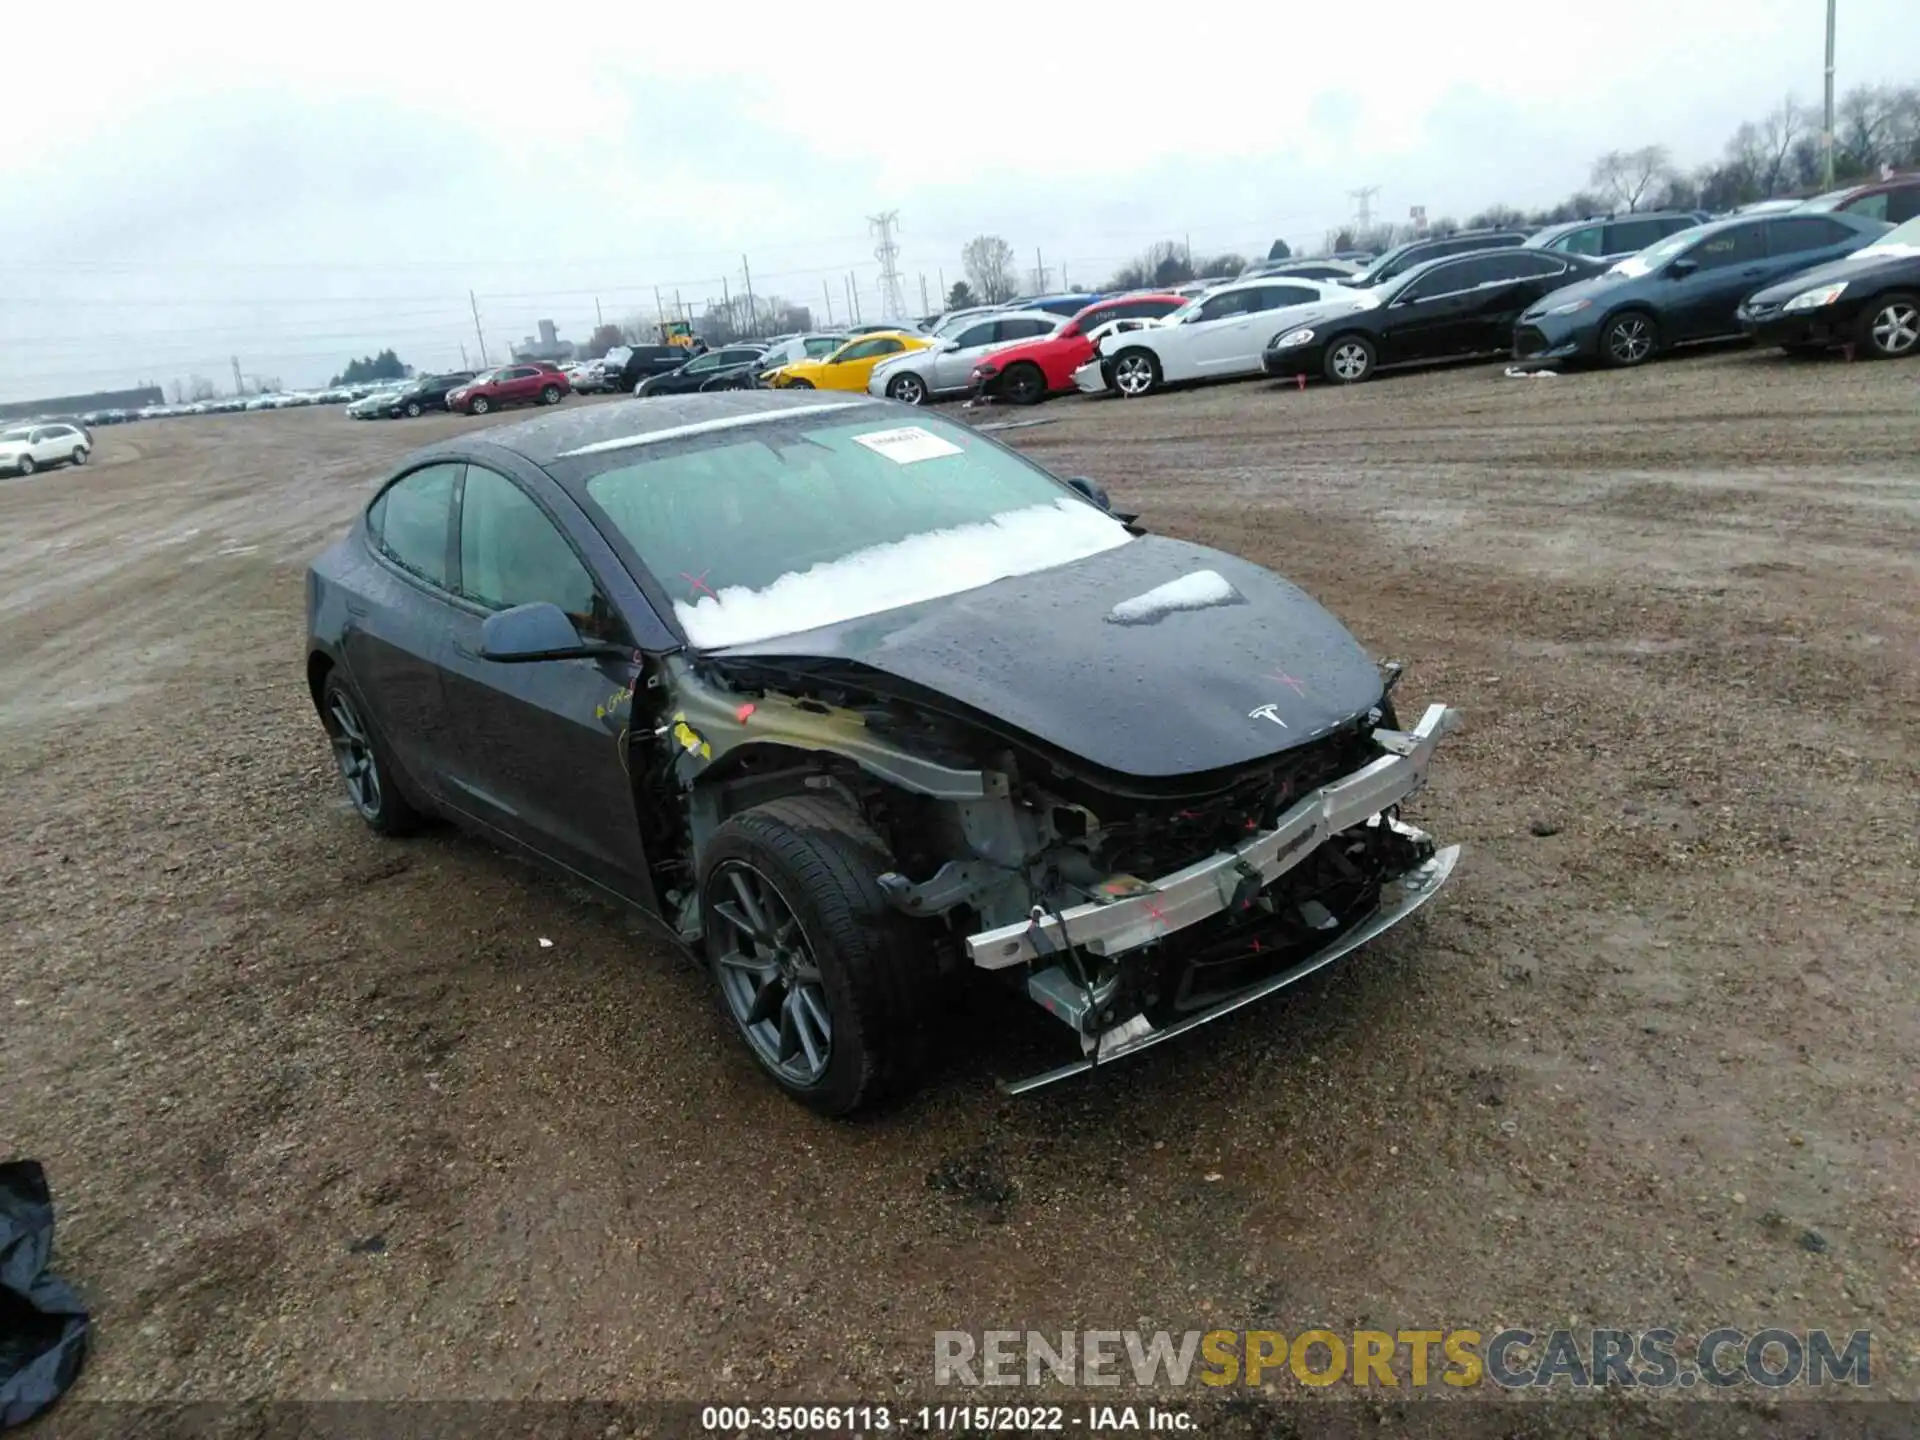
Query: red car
x,y
1029,372
531,382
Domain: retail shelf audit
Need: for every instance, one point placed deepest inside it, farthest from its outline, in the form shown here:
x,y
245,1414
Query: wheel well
x,y
319,666
1632,307
902,373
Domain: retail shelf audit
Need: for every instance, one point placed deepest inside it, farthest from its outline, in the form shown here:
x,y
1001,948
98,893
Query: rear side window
x,y
1518,264
411,520
1903,204
1624,237
1869,207
1279,297
1021,328
1804,232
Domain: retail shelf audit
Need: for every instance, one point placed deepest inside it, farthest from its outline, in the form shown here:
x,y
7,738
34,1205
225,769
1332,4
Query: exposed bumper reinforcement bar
x,y
1208,886
1399,899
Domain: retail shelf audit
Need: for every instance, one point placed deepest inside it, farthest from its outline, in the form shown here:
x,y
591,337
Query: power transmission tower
x,y
893,299
1363,197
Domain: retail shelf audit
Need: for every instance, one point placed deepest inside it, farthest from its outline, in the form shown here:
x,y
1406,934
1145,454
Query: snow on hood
x,y
1201,590
921,567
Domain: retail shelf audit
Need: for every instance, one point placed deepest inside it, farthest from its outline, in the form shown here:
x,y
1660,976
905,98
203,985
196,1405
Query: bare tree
x,y
988,261
1777,133
1626,176
200,388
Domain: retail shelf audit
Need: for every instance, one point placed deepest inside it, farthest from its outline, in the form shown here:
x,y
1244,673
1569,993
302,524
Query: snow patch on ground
x,y
1201,590
905,572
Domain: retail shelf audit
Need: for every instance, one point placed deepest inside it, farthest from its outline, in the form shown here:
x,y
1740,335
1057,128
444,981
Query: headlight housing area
x,y
1292,339
984,372
1815,298
1570,307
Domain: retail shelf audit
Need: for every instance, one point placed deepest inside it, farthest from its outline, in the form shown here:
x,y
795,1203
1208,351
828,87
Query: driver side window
x,y
512,554
864,350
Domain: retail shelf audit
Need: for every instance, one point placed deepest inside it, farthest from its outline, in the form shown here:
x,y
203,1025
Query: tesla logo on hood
x,y
1267,712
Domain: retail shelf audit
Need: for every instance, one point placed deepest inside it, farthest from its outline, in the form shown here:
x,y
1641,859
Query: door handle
x,y
357,609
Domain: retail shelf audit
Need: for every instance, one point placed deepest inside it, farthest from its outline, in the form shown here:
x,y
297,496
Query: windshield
x,y
794,523
1903,239
1658,253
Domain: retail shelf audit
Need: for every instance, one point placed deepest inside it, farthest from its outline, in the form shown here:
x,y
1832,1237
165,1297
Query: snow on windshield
x,y
903,572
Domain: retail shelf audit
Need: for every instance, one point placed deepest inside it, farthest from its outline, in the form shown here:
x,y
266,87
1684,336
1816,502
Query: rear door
x,y
1507,282
1729,265
1799,242
399,626
540,743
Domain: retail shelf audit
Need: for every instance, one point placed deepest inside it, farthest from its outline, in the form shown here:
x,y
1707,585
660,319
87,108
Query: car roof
x,y
552,434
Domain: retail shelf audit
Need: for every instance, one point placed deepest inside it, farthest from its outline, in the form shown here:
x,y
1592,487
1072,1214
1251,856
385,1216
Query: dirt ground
x,y
325,1119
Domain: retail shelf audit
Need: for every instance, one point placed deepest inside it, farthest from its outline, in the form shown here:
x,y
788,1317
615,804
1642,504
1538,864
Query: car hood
x,y
1857,266
1155,659
1599,289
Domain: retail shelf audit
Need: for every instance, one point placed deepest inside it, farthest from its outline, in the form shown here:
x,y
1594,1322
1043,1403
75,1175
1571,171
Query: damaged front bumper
x,y
1222,883
1092,378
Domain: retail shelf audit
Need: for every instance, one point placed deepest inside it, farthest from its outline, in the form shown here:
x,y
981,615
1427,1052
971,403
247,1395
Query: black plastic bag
x,y
43,1326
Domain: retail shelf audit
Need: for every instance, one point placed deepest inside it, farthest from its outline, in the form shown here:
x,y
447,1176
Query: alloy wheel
x,y
1349,361
768,974
353,752
1133,375
1630,340
1896,329
908,390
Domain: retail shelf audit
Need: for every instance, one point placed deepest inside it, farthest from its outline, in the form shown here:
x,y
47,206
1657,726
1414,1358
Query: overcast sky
x,y
184,188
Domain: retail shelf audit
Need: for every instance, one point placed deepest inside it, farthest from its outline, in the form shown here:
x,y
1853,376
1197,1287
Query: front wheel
x,y
800,385
1891,327
1023,384
550,395
79,454
1629,340
907,389
413,409
822,977
479,405
27,467
1136,373
1349,360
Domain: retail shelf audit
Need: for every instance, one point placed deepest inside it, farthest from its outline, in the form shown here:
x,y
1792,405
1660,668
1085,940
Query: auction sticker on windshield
x,y
907,444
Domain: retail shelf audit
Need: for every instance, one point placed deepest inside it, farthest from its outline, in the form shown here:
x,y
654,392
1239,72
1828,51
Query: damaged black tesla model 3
x,y
861,703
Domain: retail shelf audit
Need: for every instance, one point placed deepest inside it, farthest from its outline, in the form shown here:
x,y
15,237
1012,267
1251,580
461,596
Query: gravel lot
x,y
324,1118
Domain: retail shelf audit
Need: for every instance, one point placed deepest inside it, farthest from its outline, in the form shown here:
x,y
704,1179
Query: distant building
x,y
74,404
548,347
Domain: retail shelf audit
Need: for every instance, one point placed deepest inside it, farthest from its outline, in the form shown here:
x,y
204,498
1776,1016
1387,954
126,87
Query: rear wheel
x,y
1349,360
479,405
822,977
1024,384
362,759
1891,327
1629,340
1136,373
550,395
907,389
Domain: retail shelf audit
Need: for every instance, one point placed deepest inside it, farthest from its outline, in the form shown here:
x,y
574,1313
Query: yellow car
x,y
849,367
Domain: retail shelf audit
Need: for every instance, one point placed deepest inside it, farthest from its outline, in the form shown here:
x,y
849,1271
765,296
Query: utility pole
x,y
726,302
753,316
463,356
679,307
239,385
475,304
659,306
598,318
1039,272
887,252
1364,198
1826,140
827,291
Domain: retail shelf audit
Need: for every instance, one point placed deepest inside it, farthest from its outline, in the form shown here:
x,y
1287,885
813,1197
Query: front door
x,y
1728,266
542,742
1433,315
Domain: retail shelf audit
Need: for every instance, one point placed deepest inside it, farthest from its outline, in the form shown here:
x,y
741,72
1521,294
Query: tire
x,y
908,389
550,395
80,454
413,409
1349,359
1023,384
800,385
1136,372
366,767
846,952
479,405
1890,328
27,467
1629,339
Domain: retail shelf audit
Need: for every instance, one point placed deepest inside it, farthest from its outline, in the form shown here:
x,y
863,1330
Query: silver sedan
x,y
946,366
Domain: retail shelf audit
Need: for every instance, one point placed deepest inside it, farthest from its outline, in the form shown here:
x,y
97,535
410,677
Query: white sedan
x,y
1216,335
946,366
40,447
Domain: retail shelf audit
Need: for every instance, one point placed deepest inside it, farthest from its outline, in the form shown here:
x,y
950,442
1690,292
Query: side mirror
x,y
537,631
1092,491
1683,267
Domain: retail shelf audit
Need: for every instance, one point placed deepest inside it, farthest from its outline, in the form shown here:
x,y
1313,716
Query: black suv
x,y
1613,237
627,365
1403,258
429,392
